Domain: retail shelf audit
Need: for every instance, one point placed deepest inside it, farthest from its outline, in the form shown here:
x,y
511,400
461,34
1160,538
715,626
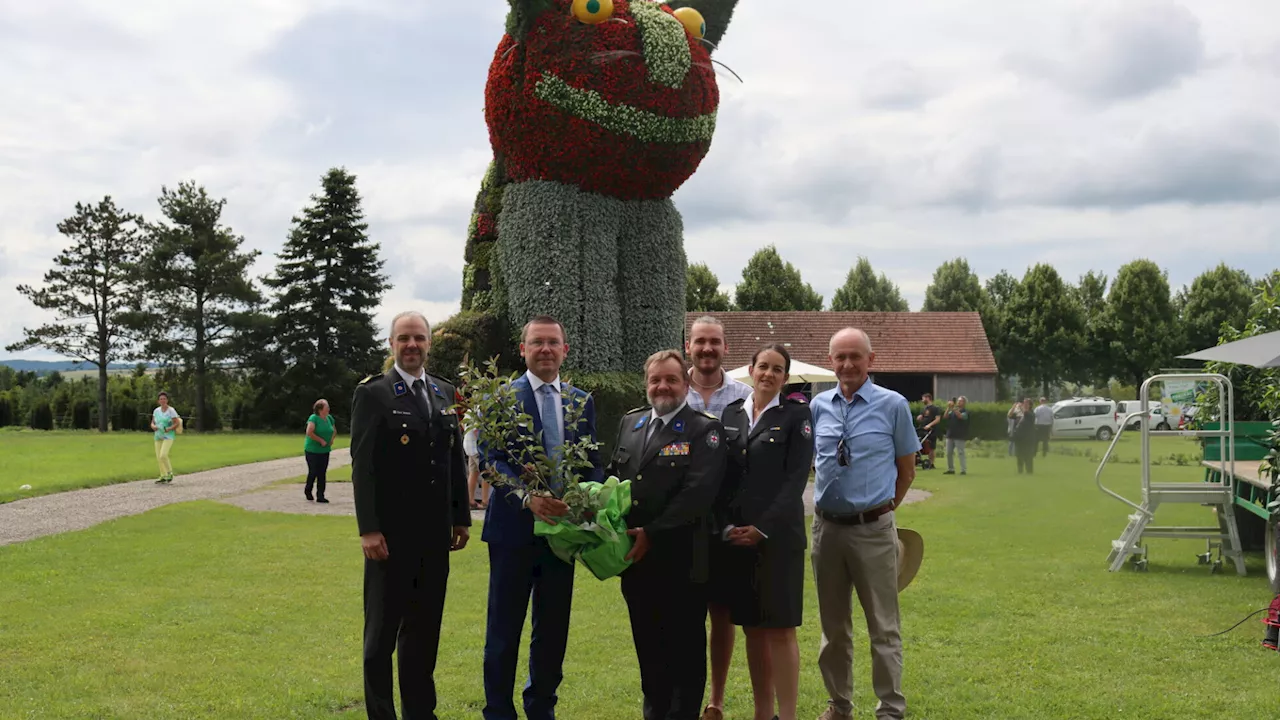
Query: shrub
x,y
614,394
125,416
470,335
81,415
41,417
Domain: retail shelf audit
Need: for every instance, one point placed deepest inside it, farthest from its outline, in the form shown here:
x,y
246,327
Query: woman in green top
x,y
320,432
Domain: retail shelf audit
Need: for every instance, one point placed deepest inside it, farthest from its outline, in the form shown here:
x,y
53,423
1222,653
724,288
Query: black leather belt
x,y
854,518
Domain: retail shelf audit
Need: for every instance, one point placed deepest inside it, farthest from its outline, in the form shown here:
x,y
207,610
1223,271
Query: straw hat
x,y
910,555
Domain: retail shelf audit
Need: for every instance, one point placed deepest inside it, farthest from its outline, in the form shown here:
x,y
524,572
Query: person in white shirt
x,y
1044,425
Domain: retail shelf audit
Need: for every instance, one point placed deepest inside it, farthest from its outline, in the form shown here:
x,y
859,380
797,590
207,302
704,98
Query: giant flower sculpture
x,y
598,110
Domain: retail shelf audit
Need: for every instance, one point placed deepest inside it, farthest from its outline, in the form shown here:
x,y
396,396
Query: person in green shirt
x,y
320,432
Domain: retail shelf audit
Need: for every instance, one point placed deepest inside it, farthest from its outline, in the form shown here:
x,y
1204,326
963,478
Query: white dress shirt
x,y
536,383
749,406
666,419
426,386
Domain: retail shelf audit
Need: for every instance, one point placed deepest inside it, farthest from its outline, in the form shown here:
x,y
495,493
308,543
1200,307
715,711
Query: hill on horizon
x,y
44,367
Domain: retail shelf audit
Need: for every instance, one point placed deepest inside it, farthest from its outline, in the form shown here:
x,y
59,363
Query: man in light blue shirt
x,y
865,445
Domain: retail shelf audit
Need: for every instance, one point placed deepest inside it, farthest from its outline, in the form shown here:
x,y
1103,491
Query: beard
x,y
664,403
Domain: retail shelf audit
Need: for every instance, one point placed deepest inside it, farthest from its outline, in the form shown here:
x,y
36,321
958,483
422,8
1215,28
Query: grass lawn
x,y
54,461
203,610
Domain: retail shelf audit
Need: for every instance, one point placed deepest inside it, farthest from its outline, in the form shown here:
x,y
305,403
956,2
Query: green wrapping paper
x,y
600,540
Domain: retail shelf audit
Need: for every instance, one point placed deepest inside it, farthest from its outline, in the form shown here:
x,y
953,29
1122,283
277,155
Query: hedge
x,y
987,421
614,394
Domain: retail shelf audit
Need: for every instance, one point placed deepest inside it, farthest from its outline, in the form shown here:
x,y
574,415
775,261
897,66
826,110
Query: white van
x,y
1085,418
1156,412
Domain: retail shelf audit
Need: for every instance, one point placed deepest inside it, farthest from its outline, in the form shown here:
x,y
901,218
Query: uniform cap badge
x,y
404,439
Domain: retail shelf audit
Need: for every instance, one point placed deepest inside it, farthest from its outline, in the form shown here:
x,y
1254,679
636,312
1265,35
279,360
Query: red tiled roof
x,y
904,342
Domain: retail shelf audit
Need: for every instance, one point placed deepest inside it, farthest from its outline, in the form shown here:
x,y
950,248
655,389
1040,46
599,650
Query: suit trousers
x,y
668,626
516,571
861,558
403,607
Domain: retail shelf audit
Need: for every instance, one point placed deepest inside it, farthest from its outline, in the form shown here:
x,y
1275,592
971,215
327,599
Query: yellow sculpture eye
x,y
692,21
592,12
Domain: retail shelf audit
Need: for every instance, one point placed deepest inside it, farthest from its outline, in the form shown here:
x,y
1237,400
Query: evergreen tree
x,y
768,283
89,290
702,291
865,291
955,288
195,292
327,284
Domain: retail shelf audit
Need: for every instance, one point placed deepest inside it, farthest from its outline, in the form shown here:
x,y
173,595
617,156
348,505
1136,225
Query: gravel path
x,y
244,486
79,509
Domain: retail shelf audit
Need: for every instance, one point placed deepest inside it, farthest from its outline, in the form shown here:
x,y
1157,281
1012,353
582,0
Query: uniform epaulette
x,y
704,412
636,410
370,377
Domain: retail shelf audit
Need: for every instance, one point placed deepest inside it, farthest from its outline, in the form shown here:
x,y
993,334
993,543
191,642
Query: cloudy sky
x,y
1008,132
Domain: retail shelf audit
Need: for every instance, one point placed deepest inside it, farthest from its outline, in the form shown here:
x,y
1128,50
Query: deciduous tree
x,y
769,283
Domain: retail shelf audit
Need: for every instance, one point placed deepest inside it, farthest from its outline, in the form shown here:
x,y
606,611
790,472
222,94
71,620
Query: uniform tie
x,y
420,394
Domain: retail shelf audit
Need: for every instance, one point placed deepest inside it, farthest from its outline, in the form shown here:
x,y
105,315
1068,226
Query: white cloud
x,y
1079,132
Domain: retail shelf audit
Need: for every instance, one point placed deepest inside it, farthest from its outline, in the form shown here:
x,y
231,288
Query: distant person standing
x,y
1044,424
929,418
320,432
1024,438
164,421
957,435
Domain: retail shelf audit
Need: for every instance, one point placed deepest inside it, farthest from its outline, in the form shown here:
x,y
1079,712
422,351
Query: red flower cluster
x,y
485,228
540,141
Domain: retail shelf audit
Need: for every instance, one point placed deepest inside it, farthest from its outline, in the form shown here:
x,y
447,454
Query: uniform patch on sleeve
x,y
713,439
807,430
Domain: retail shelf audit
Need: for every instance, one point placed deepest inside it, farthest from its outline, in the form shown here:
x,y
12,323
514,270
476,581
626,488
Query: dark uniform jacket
x,y
768,471
674,482
408,471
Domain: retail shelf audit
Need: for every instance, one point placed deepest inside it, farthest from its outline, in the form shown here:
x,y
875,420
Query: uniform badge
x,y
674,449
400,388
436,389
807,430
404,439
640,423
713,439
678,426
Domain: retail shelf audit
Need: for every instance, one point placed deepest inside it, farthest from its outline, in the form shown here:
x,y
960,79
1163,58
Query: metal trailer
x,y
1256,500
1217,492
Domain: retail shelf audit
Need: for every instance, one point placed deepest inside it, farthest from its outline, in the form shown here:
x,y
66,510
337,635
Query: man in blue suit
x,y
519,562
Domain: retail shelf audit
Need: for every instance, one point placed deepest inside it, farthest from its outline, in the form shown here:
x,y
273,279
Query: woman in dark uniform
x,y
761,514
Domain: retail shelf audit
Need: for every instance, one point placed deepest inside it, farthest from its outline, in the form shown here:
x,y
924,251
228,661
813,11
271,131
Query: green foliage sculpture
x,y
598,110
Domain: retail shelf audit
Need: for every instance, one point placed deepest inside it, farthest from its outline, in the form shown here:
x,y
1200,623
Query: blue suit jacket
x,y
506,521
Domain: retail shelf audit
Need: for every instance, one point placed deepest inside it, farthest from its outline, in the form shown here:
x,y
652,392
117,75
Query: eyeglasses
x,y
842,456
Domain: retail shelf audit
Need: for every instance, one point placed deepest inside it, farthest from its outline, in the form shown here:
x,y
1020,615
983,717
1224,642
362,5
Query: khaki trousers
x,y
861,558
162,457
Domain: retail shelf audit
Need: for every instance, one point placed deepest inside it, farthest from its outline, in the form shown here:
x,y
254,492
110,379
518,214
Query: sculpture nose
x,y
665,44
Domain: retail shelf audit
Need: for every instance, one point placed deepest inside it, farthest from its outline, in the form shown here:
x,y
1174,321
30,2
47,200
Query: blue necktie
x,y
552,433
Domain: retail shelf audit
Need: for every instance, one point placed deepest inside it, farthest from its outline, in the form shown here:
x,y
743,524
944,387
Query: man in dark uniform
x,y
675,458
409,477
